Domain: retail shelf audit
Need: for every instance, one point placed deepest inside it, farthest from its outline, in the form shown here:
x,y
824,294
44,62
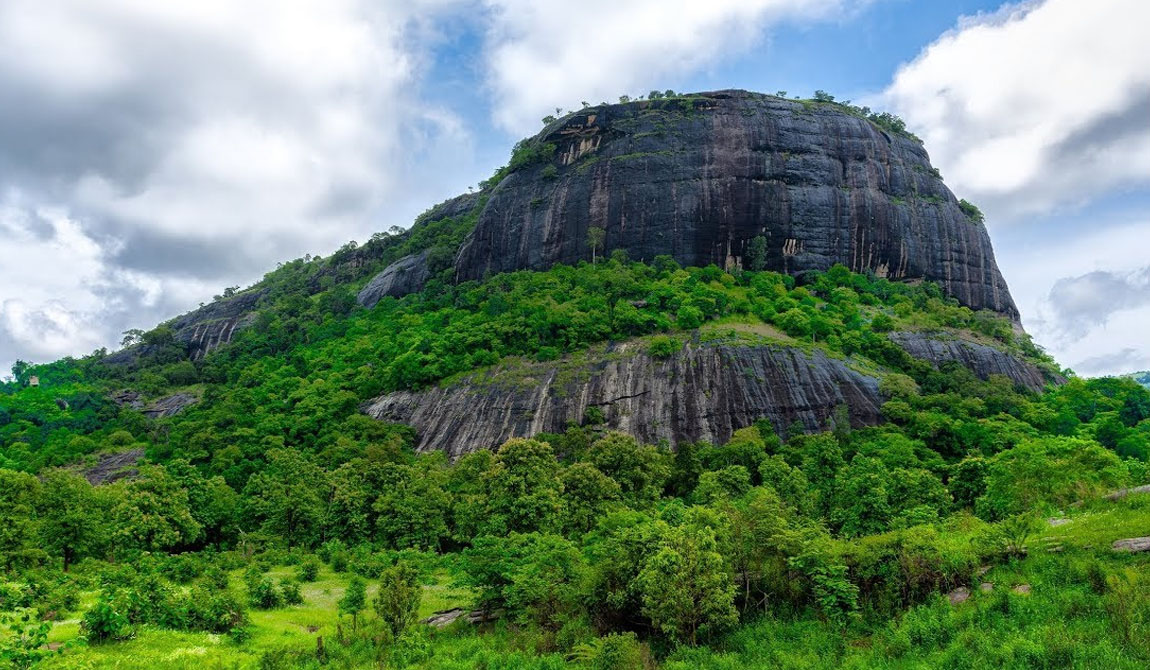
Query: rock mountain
x,y
699,178
703,178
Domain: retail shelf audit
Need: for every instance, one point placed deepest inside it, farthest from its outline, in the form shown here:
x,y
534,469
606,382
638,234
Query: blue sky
x,y
163,151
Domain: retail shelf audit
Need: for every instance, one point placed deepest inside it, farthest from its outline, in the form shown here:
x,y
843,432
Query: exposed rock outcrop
x,y
983,360
703,393
699,178
156,409
170,405
406,275
202,330
112,467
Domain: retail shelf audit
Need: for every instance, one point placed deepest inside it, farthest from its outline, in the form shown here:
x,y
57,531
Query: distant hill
x,y
1142,378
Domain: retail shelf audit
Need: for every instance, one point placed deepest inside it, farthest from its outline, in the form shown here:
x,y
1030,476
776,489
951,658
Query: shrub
x,y
689,317
216,578
265,596
308,570
397,603
213,611
240,634
663,346
106,620
971,211
617,651
290,592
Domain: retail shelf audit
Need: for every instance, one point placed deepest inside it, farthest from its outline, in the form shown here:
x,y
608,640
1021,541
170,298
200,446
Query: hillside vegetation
x,y
777,548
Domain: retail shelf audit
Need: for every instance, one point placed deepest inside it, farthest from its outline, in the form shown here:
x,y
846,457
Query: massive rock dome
x,y
699,177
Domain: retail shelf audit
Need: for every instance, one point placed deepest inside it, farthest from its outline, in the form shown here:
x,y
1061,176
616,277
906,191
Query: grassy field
x,y
1066,619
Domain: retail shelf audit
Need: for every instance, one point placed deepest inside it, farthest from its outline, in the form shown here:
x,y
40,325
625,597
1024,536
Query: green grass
x,y
1064,622
294,627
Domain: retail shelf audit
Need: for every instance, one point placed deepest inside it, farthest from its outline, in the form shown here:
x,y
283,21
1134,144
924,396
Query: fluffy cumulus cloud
x,y
152,152
1085,293
1079,304
1039,105
544,54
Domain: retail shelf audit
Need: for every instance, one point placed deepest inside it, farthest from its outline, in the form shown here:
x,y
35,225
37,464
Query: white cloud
x,y
544,54
1038,105
163,150
1084,295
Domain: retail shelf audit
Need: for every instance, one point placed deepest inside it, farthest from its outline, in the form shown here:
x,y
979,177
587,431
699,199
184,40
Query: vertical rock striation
x,y
698,178
703,393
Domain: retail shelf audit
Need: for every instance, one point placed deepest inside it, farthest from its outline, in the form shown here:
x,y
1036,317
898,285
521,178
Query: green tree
x,y
596,236
640,470
757,254
397,602
862,500
71,523
151,513
587,494
287,499
353,600
19,495
523,488
413,508
686,588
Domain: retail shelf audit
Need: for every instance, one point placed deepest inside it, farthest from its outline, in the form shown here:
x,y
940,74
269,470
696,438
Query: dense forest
x,y
271,512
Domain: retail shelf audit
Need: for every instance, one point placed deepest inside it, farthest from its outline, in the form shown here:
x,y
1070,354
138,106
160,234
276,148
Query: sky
x,y
154,153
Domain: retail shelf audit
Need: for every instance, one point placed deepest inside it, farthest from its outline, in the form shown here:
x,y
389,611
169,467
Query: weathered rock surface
x,y
1134,544
202,330
156,409
406,275
113,467
703,393
170,405
698,179
1122,493
983,360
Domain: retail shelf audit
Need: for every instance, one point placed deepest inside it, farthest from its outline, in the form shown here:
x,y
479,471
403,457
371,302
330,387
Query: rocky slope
x,y
703,393
983,360
698,178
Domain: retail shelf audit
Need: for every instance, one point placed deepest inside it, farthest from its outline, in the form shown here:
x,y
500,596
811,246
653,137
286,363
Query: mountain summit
x,y
701,177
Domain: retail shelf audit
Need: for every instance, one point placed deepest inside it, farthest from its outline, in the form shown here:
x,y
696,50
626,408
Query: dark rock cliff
x,y
705,392
698,178
981,359
406,275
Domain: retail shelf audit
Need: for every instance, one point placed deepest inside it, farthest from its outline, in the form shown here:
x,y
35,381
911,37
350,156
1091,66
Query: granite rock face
x,y
703,393
698,178
981,359
406,275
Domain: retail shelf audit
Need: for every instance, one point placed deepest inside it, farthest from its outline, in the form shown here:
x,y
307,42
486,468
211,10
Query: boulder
x,y
1133,544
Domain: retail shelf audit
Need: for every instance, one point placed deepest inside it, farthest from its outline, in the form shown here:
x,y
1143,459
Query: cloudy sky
x,y
152,153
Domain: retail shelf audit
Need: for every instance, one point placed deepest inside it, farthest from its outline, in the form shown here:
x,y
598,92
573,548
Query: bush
x,y
265,596
308,570
663,346
617,651
182,569
240,635
213,611
689,317
216,578
291,593
106,620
